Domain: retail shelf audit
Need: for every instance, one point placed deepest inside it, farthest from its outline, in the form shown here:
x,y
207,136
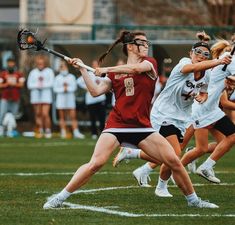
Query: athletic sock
x,y
192,197
162,184
147,168
64,194
133,153
209,163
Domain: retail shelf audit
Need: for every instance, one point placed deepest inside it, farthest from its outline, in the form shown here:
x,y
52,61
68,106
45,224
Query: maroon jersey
x,y
11,93
133,94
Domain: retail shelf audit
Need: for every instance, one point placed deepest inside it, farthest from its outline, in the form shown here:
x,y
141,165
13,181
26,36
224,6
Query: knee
x,y
201,150
94,166
174,163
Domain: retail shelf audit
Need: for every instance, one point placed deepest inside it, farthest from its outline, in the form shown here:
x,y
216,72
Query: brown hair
x,y
126,37
203,40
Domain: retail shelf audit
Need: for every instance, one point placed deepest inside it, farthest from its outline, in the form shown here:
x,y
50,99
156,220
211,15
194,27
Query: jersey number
x,y
129,85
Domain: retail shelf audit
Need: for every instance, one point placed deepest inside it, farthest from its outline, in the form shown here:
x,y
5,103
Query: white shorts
x,y
65,101
40,96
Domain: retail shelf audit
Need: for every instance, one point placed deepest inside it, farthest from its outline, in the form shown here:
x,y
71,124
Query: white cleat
x,y
141,177
53,203
207,174
160,192
192,167
79,135
202,204
122,154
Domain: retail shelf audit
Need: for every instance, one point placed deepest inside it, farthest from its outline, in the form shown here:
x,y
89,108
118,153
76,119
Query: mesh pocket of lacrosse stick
x,y
27,40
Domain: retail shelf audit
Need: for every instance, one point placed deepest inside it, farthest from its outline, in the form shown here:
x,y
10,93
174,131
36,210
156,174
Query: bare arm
x,y
226,103
127,68
104,85
204,65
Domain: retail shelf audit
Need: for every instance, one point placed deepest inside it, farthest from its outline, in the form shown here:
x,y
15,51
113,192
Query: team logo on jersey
x,y
197,122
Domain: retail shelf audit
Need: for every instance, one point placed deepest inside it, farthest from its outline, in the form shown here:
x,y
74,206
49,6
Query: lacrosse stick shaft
x,y
231,53
66,58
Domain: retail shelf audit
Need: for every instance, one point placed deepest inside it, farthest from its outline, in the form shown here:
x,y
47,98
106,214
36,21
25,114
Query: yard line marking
x,y
103,189
129,187
45,144
127,214
99,173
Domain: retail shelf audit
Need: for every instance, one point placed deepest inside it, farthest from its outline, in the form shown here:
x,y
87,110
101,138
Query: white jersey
x,y
65,99
40,83
232,96
209,112
89,99
174,104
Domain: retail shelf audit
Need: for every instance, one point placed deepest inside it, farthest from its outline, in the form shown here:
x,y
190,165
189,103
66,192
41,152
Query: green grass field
x,y
33,169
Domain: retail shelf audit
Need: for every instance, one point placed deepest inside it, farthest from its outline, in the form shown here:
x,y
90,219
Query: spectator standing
x,y
11,82
95,105
64,88
40,83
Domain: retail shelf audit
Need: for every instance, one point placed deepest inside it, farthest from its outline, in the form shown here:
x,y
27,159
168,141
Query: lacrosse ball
x,y
30,39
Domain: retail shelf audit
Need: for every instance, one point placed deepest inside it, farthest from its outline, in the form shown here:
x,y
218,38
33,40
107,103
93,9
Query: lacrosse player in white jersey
x,y
171,112
210,115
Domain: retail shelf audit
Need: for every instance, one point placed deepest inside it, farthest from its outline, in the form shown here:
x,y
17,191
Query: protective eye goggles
x,y
198,51
140,42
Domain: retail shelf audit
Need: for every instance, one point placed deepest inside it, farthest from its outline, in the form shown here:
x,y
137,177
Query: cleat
x,y
79,135
202,204
53,203
48,135
122,154
141,177
160,192
191,166
208,174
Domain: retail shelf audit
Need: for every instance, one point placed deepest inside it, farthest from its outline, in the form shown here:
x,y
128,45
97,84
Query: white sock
x,y
209,163
63,132
133,153
192,197
48,130
162,184
63,195
41,130
147,168
76,131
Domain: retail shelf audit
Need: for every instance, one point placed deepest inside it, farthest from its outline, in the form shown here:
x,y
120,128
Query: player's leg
x,y
103,149
227,127
159,149
62,123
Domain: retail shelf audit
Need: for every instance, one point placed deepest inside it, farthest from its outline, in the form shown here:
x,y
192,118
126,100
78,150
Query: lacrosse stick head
x,y
27,40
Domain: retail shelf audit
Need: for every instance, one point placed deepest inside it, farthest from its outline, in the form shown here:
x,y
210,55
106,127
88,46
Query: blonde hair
x,y
219,48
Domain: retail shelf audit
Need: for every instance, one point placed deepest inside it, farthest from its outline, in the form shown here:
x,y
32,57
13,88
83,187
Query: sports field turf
x,y
33,169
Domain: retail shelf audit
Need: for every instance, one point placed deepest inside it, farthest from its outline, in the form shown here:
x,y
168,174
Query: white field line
x,y
99,173
130,187
127,214
44,144
110,209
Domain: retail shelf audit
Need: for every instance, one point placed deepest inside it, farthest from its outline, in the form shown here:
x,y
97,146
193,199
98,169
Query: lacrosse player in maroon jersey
x,y
129,121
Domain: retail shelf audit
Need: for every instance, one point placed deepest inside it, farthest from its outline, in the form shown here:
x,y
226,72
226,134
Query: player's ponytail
x,y
203,36
126,37
203,40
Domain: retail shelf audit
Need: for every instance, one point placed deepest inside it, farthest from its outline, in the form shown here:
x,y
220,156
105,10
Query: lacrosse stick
x,y
231,53
27,40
